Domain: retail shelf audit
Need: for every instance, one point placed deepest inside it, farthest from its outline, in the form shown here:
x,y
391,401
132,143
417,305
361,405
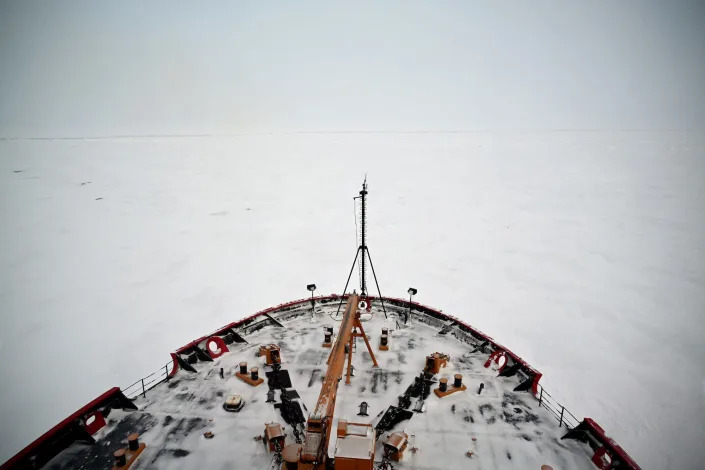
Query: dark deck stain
x,y
314,374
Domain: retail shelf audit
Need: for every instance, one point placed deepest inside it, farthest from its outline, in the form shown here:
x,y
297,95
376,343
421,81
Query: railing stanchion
x,y
144,393
560,421
540,397
166,371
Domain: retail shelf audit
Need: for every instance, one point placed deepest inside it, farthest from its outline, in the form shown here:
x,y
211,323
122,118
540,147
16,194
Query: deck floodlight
x,y
312,287
412,292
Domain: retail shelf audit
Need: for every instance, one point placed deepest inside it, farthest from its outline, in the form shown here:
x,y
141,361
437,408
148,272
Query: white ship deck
x,y
504,429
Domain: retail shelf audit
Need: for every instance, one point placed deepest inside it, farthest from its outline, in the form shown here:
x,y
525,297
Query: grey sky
x,y
105,68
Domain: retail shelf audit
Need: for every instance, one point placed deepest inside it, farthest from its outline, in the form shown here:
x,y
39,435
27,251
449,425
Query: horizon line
x,y
322,132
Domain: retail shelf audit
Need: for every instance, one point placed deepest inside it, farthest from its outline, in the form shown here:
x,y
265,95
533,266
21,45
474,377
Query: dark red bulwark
x,y
94,422
174,365
72,429
221,347
591,432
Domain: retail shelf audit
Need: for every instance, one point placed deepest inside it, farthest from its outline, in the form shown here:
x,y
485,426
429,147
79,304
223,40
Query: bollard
x,y
243,368
479,390
254,373
383,340
458,382
443,385
363,409
120,458
133,442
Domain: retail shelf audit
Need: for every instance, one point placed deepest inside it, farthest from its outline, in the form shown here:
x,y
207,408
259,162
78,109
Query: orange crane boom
x,y
320,422
318,426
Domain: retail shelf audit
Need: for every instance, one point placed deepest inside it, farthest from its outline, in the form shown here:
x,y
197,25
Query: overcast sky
x,y
105,68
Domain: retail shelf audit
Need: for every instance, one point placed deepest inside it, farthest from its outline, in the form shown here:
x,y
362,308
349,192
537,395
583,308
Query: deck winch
x,y
395,444
271,353
435,362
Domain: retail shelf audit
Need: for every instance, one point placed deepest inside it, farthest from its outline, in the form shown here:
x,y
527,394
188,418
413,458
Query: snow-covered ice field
x,y
581,251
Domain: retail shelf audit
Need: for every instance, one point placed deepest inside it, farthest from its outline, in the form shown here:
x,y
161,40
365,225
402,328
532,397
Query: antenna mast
x,y
363,250
363,244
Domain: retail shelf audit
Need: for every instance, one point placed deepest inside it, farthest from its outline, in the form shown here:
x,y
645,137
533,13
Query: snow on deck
x,y
503,429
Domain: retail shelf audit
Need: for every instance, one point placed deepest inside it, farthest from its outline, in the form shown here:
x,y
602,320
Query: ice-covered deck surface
x,y
510,429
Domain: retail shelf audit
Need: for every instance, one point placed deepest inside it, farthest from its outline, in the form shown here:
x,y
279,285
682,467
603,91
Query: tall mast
x,y
363,242
365,252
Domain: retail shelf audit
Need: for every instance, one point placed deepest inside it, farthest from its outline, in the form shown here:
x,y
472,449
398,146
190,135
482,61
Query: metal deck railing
x,y
143,385
564,417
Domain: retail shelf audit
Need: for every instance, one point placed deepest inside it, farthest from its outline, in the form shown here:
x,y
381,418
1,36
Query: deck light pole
x,y
412,292
311,287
